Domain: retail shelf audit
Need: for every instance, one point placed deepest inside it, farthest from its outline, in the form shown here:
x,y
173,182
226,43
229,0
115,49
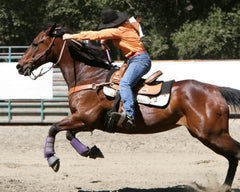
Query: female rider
x,y
115,26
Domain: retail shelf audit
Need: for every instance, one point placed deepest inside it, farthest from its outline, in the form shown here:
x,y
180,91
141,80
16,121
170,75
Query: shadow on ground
x,y
179,188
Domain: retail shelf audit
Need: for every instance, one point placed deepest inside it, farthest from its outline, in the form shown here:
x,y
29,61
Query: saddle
x,y
149,91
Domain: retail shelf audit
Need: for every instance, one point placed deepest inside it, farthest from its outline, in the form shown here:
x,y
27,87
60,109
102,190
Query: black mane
x,y
59,31
90,54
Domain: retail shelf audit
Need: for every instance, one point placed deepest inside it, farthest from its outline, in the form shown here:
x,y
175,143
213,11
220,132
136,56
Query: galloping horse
x,y
202,108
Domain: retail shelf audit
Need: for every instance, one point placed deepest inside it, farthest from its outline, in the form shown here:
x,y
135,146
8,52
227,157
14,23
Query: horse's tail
x,y
232,96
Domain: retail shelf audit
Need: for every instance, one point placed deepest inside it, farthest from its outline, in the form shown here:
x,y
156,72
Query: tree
x,y
216,37
18,21
173,29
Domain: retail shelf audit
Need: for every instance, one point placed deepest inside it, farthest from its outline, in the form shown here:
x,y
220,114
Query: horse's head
x,y
45,48
38,53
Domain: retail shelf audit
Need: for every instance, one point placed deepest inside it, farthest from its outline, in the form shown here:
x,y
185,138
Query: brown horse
x,y
202,108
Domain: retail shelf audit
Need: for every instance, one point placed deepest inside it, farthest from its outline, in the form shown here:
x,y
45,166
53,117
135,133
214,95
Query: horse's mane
x,y
91,54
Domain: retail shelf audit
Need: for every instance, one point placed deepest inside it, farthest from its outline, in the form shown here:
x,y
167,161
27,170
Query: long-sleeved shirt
x,y
124,37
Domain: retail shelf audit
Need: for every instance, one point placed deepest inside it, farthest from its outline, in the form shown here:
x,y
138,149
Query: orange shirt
x,y
124,37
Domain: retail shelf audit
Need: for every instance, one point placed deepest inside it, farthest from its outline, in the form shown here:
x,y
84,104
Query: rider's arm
x,y
94,35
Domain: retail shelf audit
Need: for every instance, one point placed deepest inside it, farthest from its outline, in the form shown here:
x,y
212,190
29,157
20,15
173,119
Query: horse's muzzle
x,y
22,71
19,68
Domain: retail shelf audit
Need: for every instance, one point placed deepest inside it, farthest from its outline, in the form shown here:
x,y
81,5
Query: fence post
x,y
42,110
9,54
9,111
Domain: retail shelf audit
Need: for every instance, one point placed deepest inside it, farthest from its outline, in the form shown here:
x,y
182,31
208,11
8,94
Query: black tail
x,y
232,96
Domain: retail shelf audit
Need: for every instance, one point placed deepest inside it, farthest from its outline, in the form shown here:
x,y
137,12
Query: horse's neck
x,y
78,73
88,74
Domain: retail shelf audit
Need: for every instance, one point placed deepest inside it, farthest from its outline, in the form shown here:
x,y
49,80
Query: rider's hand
x,y
67,36
104,45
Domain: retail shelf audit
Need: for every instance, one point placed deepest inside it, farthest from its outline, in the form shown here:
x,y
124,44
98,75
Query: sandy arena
x,y
171,161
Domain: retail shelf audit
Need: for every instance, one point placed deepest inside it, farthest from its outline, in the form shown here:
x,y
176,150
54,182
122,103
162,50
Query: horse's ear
x,y
50,30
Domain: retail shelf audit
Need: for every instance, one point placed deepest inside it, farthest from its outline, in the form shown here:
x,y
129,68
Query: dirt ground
x,y
171,161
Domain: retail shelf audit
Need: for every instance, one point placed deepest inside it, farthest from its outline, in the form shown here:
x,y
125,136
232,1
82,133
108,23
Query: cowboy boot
x,y
126,120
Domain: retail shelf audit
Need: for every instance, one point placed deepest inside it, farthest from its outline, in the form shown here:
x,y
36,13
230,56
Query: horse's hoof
x,y
225,188
54,162
95,153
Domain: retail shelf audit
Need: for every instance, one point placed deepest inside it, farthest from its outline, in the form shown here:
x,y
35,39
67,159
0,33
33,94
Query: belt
x,y
136,53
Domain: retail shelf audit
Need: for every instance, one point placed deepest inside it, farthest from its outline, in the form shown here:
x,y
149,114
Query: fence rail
x,y
38,111
11,53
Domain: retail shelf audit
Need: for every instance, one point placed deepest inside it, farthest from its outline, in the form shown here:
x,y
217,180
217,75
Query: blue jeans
x,y
137,67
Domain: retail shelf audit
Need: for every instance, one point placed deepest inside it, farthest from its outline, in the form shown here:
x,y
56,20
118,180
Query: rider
x,y
116,26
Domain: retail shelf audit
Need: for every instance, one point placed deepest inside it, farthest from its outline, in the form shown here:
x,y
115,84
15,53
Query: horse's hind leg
x,y
215,135
233,163
224,145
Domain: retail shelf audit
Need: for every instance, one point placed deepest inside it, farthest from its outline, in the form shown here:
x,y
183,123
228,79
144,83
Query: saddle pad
x,y
160,100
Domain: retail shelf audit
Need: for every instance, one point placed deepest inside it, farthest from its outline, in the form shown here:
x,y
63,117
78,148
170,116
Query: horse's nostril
x,y
18,66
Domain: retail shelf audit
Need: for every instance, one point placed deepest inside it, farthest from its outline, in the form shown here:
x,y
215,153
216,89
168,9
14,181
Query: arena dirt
x,y
171,161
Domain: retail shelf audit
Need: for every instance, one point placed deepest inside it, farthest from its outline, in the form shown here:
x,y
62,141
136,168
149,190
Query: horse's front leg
x,y
93,153
71,126
49,152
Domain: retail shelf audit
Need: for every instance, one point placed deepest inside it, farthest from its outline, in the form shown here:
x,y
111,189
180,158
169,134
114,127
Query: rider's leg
x,y
138,66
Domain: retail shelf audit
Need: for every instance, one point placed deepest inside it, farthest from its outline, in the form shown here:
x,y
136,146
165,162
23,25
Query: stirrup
x,y
118,117
123,119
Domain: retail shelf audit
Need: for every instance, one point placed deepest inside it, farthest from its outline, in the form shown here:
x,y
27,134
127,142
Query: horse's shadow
x,y
178,188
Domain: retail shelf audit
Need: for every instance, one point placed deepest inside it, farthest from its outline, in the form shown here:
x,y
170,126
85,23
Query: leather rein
x,y
92,86
74,89
40,55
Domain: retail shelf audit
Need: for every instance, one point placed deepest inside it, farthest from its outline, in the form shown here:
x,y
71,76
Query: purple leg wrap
x,y
49,147
79,147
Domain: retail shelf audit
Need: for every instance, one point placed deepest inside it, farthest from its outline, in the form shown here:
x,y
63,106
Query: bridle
x,y
92,86
40,55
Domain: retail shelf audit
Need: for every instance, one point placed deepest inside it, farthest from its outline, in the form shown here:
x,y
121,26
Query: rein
x,y
74,89
31,74
92,86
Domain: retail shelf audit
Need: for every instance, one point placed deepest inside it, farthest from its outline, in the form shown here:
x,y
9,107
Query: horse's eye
x,y
35,44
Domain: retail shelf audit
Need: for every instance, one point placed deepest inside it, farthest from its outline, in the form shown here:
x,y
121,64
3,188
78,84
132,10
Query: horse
x,y
204,109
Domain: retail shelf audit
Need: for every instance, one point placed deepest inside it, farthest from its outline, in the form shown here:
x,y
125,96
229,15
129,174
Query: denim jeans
x,y
137,67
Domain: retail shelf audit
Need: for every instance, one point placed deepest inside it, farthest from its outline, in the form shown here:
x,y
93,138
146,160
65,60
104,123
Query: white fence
x,y
15,86
218,72
45,100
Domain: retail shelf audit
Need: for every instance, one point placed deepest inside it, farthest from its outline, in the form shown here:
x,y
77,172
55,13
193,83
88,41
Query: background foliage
x,y
174,29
